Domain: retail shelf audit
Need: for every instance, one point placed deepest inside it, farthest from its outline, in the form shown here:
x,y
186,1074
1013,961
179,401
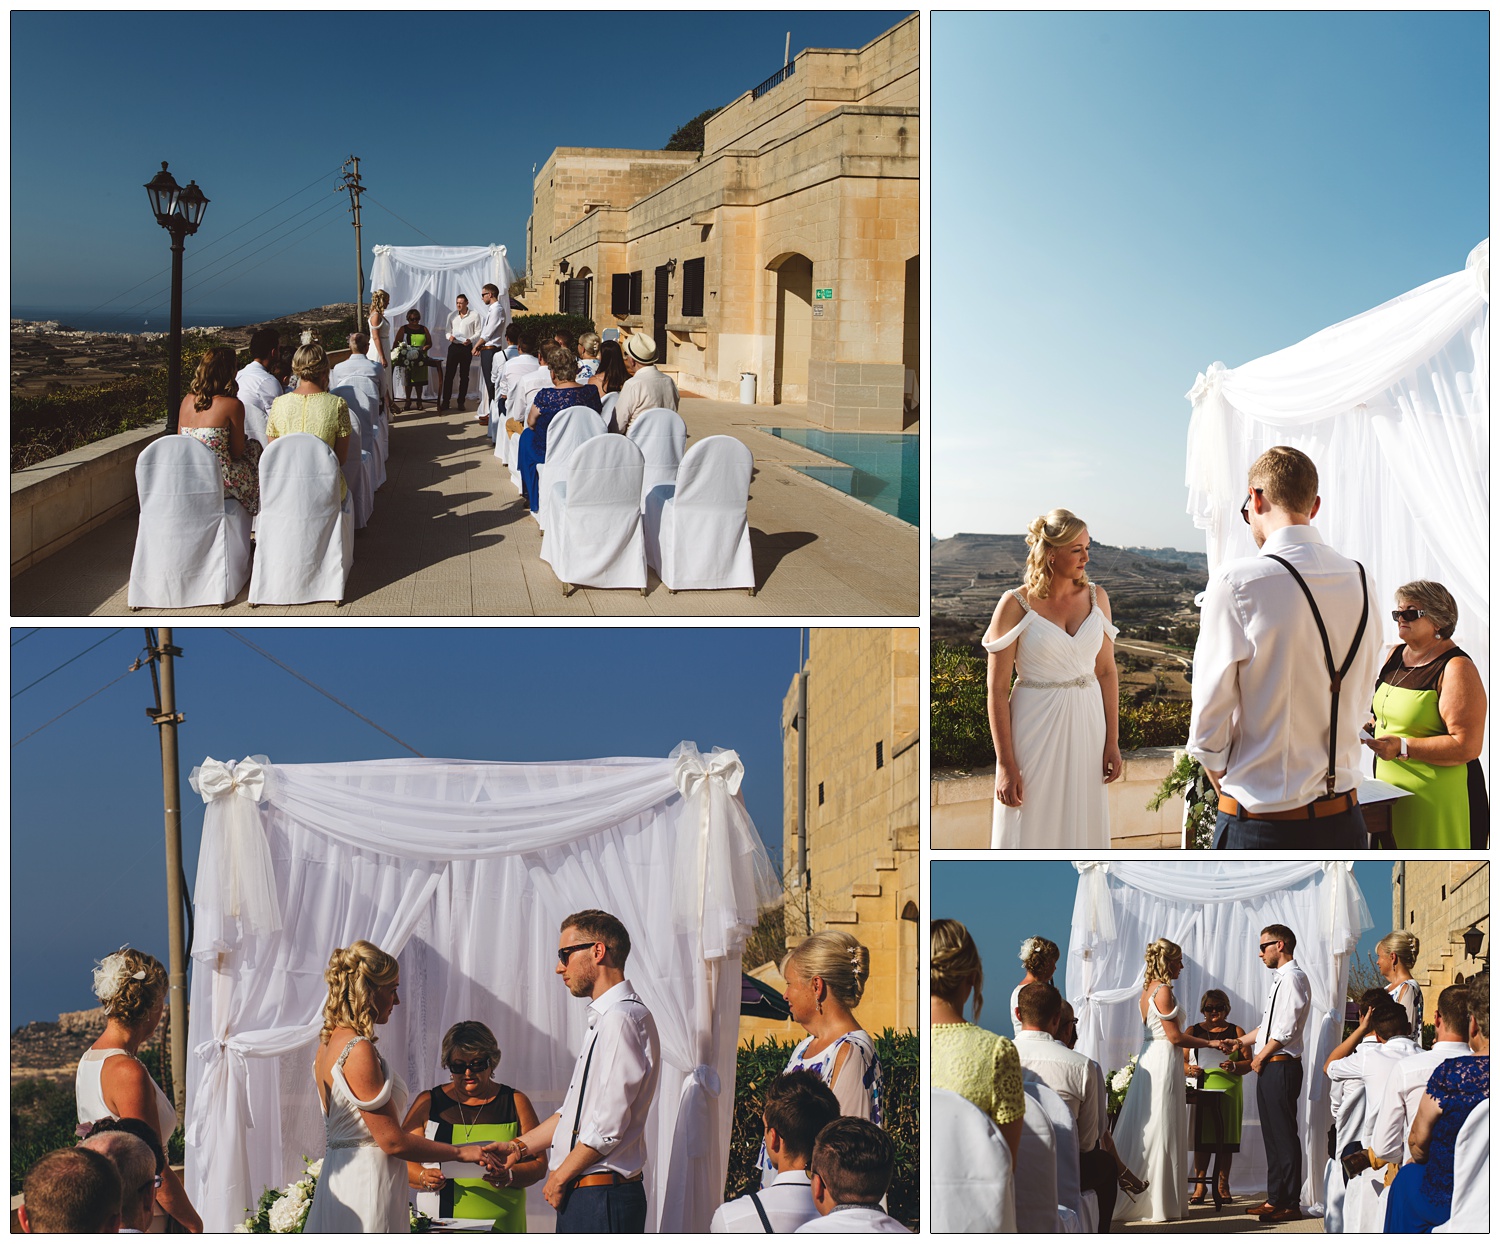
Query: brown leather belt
x,y
1334,805
605,1179
1283,1058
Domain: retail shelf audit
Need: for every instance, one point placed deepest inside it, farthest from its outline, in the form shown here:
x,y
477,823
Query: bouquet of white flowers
x,y
282,1211
1119,1084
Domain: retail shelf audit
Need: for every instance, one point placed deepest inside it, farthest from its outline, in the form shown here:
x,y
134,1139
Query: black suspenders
x,y
761,1210
1336,676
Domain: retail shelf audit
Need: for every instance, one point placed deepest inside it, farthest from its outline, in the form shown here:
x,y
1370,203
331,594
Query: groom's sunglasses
x,y
567,952
1245,509
1407,615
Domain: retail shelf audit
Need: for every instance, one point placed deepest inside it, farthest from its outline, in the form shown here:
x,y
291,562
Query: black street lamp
x,y
179,210
1474,942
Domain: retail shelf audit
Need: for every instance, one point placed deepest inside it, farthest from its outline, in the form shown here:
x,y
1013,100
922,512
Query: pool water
x,y
878,468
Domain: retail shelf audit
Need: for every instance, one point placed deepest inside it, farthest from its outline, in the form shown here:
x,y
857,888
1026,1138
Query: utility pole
x,y
166,717
786,57
355,187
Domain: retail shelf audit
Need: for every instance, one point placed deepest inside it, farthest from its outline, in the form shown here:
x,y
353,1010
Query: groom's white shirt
x,y
1288,1002
1260,684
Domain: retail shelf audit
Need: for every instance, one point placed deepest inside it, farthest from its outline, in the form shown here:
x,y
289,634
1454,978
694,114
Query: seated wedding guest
x,y
1224,1076
1039,957
512,369
973,1062
851,1170
213,414
1359,1066
310,407
474,1108
1429,711
1421,1196
136,1167
588,356
1396,1108
610,375
1079,1081
141,1131
1395,955
132,986
648,388
257,380
358,364
522,395
797,1107
565,392
71,1192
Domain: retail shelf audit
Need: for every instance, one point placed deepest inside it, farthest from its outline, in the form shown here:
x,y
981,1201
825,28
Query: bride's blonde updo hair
x,y
836,957
354,973
1158,955
956,964
1045,535
379,301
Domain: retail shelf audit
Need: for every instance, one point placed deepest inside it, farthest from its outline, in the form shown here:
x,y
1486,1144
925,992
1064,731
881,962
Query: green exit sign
x,y
823,293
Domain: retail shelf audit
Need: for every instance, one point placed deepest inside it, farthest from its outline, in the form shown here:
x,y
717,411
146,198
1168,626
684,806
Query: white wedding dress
x,y
1151,1132
1057,730
362,1189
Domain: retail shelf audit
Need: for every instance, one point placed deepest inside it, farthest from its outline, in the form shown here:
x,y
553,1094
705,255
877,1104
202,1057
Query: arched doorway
x,y
794,289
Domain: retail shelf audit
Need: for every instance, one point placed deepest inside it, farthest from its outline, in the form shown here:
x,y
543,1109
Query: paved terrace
x,y
451,537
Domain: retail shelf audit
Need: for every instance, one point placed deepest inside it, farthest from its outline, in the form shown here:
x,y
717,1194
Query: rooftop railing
x,y
776,79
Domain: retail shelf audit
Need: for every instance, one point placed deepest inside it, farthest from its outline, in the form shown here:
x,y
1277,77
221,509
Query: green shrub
x,y
758,1063
43,1116
1156,723
548,322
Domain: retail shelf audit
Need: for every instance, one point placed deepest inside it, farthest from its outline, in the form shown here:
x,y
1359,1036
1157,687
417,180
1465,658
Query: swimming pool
x,y
878,468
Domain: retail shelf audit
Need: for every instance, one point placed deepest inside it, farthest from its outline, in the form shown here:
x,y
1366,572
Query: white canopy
x,y
430,278
1215,911
1393,406
463,870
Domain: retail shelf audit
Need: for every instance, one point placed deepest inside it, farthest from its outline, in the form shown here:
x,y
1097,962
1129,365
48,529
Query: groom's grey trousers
x,y
1278,1089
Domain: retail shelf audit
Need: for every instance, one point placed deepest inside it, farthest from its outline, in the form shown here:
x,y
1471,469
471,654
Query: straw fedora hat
x,y
641,347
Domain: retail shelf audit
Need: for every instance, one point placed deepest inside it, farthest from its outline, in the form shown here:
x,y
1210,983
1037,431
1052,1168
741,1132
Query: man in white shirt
x,y
647,387
511,373
1277,1041
1396,1108
463,329
137,1170
851,1170
1078,1080
797,1107
489,340
71,1191
597,1138
358,366
258,386
1289,641
1359,1066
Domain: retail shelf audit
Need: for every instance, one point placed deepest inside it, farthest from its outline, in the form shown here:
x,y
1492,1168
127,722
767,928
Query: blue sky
x,y
1003,903
255,106
1121,199
87,862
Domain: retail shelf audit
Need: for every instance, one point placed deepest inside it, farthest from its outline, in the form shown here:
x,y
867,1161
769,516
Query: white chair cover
x,y
607,413
594,536
362,393
1333,1198
1065,1131
697,531
357,469
192,544
662,436
256,418
1364,1204
973,1182
569,429
1471,1177
1036,1191
305,538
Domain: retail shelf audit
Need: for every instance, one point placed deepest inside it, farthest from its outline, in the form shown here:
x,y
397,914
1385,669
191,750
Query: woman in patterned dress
x,y
213,414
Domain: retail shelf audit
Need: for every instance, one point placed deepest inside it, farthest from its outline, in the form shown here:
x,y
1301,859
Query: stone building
x,y
851,857
1439,900
787,248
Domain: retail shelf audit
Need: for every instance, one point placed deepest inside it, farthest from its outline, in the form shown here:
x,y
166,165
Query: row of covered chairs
x,y
193,546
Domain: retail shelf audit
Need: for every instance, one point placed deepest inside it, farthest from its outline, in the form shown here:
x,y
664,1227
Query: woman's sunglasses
x,y
475,1067
1407,615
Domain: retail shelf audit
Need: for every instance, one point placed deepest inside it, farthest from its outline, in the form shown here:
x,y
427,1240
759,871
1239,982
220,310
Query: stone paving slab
x,y
450,537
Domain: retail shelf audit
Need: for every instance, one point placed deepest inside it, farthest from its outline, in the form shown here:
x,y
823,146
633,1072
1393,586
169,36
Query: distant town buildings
x,y
788,248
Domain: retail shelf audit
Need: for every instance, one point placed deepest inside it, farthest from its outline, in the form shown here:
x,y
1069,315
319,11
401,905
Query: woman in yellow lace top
x,y
311,408
966,1059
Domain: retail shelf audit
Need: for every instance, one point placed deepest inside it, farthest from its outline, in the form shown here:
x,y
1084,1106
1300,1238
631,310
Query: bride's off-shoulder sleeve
x,y
1010,636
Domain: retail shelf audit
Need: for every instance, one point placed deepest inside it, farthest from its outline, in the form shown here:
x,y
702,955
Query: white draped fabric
x,y
1215,912
973,1183
1393,406
430,278
463,871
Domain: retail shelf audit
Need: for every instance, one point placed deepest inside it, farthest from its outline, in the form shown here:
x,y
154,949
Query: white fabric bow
x,y
225,1072
235,842
690,771
1207,382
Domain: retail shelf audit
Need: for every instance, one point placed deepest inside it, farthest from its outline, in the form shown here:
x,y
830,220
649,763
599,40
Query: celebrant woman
x,y
363,1186
1219,1073
473,1108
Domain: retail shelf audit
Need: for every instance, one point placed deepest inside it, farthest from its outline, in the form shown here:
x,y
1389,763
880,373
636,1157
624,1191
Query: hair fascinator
x,y
111,973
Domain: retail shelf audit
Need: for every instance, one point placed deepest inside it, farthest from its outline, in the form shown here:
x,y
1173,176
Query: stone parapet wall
x,y
1442,899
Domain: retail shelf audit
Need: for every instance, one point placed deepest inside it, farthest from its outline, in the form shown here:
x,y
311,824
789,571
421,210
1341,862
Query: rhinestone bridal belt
x,y
1083,680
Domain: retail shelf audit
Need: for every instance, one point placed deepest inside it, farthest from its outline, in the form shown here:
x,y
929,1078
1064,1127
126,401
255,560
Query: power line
x,y
268,258
404,221
28,635
303,677
80,704
68,662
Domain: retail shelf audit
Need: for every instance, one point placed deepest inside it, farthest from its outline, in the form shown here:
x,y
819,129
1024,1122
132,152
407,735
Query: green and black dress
x,y
456,1124
1447,808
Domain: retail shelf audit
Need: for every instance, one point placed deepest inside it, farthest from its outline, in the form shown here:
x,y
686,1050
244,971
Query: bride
x,y
1056,732
1151,1132
363,1184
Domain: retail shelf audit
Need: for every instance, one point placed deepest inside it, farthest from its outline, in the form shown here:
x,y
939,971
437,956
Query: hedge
x,y
758,1063
547,323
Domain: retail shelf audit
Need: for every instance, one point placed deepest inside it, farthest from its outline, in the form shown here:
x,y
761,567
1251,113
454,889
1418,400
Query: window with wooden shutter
x,y
635,292
692,286
619,294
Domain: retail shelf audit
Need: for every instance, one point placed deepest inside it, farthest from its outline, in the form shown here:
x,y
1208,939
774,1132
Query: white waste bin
x,y
747,388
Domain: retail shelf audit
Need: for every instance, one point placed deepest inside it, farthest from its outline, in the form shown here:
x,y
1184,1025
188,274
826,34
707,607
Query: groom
x,y
1277,1041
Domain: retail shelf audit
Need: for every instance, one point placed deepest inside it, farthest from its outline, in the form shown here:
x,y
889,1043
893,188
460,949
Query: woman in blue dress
x,y
531,449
